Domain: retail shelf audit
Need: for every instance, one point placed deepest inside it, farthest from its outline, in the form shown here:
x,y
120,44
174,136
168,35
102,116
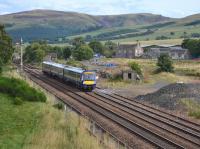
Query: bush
x,y
165,63
17,101
135,67
19,88
59,106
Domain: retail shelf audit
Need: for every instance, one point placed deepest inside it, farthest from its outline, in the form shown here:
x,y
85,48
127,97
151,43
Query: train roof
x,y
54,64
74,69
66,67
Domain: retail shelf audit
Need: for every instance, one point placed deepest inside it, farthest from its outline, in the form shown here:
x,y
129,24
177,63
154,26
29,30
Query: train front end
x,y
89,80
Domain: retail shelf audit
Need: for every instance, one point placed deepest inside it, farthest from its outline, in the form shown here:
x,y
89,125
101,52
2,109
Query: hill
x,y
48,24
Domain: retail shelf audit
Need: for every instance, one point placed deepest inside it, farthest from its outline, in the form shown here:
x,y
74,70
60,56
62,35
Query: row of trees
x,y
79,50
35,52
94,46
6,49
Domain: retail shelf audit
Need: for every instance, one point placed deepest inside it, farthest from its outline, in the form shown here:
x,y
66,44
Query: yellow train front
x,y
84,79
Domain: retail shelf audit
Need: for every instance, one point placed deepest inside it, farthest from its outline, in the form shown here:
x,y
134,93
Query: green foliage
x,y
58,50
19,88
35,52
17,101
59,106
109,49
193,45
96,46
84,52
78,41
136,67
67,52
6,49
165,63
17,122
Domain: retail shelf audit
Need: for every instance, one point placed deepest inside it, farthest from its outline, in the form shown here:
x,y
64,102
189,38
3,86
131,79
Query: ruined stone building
x,y
129,50
175,52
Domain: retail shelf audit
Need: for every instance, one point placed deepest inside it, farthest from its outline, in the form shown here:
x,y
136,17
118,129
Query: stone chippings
x,y
168,97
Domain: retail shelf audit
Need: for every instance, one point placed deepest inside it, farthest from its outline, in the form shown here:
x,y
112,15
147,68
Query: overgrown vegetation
x,y
135,67
192,106
165,63
38,125
193,45
6,49
20,90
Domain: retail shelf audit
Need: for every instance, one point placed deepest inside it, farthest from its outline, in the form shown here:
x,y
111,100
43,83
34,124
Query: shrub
x,y
17,101
19,88
135,67
165,63
59,106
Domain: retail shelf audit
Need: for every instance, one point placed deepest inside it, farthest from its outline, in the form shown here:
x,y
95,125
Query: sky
x,y
169,8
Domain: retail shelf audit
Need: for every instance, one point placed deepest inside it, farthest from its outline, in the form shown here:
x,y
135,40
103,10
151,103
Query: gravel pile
x,y
168,96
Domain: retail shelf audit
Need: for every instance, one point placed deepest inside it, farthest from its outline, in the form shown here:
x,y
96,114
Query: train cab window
x,y
89,76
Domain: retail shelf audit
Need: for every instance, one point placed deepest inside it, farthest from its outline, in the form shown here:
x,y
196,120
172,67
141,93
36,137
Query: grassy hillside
x,y
56,25
47,24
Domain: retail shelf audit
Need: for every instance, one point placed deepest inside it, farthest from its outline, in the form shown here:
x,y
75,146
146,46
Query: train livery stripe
x,y
88,82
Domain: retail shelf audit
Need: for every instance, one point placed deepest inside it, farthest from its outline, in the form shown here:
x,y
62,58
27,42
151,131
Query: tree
x,y
6,49
78,41
96,46
165,63
67,52
35,52
193,45
109,49
58,50
84,52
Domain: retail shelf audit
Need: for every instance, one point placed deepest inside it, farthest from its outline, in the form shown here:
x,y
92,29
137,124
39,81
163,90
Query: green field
x,y
174,33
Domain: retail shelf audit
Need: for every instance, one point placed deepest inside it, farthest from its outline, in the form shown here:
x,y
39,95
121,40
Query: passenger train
x,y
83,79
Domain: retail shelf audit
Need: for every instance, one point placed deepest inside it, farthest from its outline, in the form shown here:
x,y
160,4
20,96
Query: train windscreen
x,y
89,76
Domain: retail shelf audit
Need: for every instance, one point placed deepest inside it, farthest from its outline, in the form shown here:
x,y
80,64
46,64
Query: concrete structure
x,y
129,50
129,75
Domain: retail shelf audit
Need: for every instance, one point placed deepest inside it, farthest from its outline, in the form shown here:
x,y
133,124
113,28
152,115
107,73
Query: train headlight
x,y
97,77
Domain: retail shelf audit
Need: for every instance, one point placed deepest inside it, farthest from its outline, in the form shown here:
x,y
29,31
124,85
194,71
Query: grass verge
x,y
192,106
39,125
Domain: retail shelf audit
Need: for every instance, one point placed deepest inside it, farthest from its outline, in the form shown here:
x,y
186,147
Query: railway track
x,y
123,112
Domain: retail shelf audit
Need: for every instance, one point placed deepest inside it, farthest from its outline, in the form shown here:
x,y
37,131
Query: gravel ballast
x,y
169,96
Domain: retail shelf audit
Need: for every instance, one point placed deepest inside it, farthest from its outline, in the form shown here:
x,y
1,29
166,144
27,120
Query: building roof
x,y
127,46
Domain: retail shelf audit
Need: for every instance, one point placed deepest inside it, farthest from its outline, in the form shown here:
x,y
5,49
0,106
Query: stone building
x,y
129,51
175,52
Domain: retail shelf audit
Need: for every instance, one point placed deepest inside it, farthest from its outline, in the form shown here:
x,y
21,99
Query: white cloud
x,y
172,8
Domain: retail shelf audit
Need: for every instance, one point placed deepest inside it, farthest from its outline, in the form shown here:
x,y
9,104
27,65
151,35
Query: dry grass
x,y
192,106
58,130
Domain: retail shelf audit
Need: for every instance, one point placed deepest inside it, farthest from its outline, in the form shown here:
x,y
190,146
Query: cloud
x,y
171,8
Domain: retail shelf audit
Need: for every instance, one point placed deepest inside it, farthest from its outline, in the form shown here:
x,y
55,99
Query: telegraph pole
x,y
21,54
